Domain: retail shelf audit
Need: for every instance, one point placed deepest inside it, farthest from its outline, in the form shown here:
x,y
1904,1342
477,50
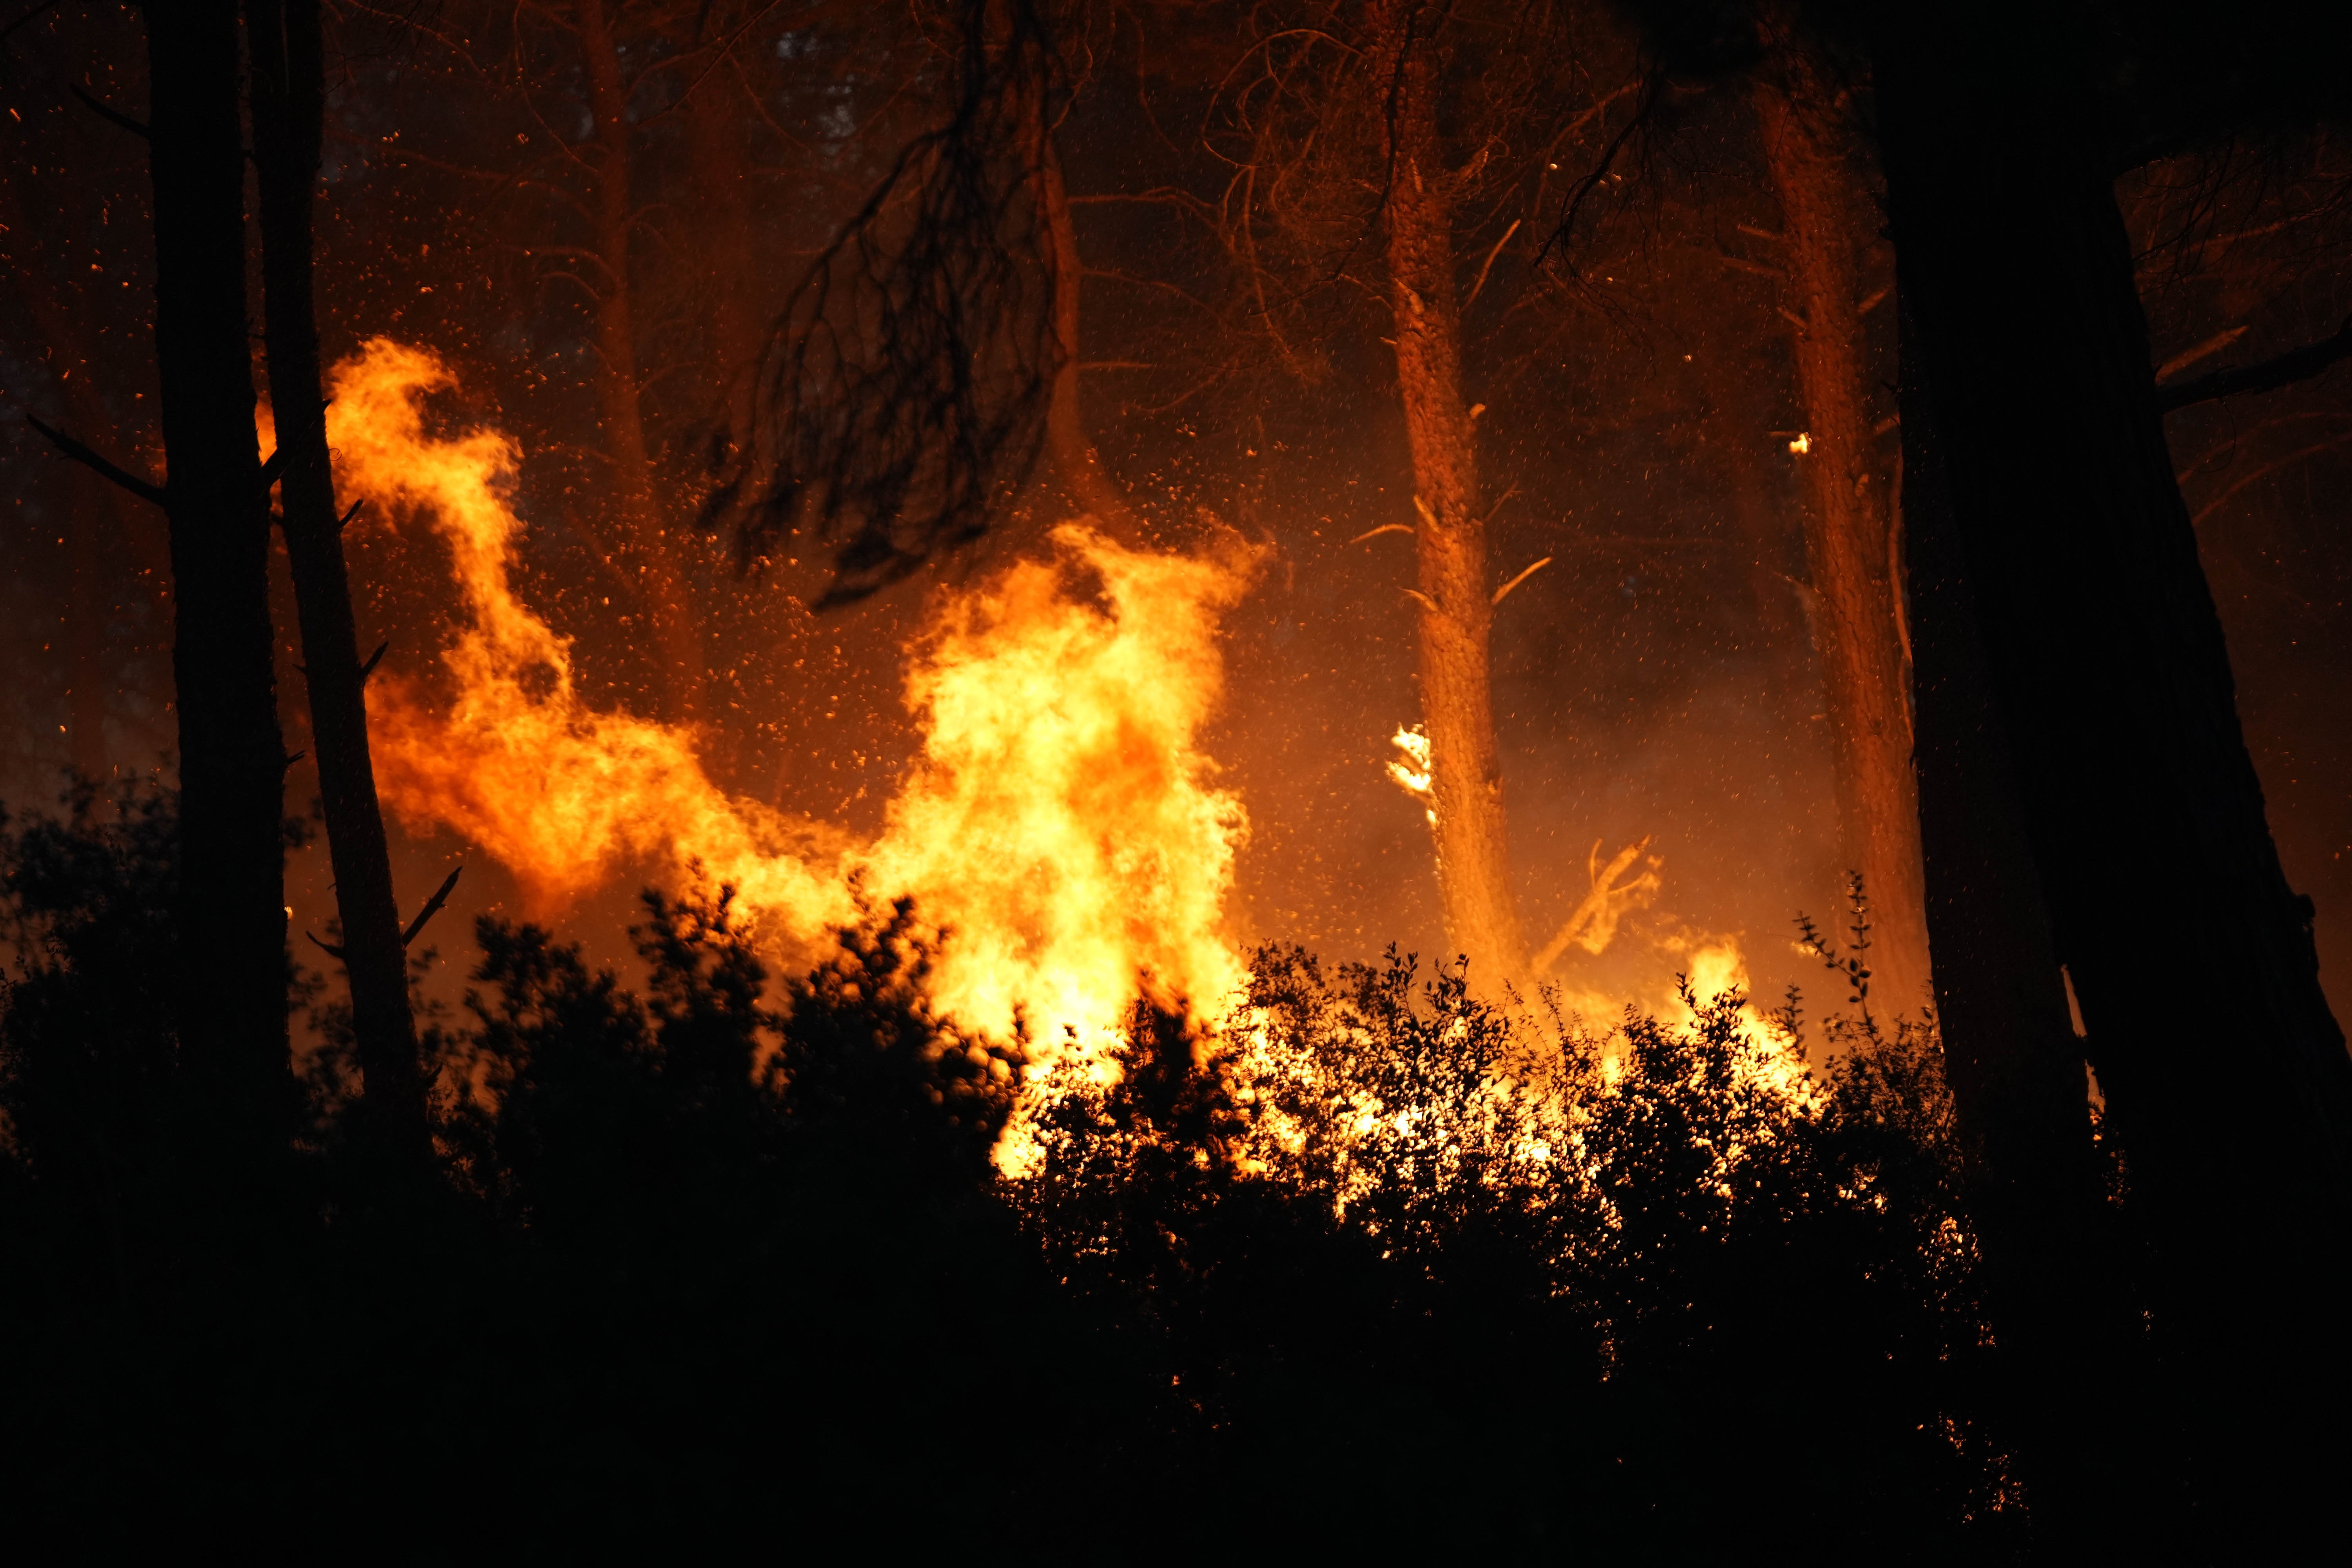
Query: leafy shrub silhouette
x,y
1381,1267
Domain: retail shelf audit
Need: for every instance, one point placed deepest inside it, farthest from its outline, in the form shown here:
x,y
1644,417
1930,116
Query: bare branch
x,y
432,907
83,455
1472,298
2188,357
2208,510
1594,922
104,112
2296,364
1520,579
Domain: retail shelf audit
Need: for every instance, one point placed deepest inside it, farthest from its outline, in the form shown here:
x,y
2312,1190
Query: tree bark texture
x,y
2191,958
289,104
1849,539
1456,596
667,597
231,915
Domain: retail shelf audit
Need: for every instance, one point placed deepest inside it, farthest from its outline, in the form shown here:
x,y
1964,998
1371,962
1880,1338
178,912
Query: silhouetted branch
x,y
432,905
105,113
903,395
368,668
2296,364
1557,241
83,455
32,15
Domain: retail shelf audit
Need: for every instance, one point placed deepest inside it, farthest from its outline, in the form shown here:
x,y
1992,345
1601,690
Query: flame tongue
x,y
1061,824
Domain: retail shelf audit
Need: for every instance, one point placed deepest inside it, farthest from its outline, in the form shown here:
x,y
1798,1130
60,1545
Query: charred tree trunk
x,y
289,105
667,595
232,896
2191,958
1849,537
1456,595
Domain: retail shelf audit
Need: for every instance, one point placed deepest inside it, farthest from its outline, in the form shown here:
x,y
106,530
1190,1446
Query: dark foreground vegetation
x,y
726,1266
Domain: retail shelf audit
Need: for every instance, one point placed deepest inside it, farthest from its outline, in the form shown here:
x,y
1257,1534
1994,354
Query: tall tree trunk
x,y
1848,540
1456,596
668,592
2191,958
2016,1070
288,106
1067,446
231,912
722,173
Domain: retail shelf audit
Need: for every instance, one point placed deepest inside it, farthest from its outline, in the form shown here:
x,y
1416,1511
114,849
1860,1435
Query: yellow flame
x,y
1414,772
1061,824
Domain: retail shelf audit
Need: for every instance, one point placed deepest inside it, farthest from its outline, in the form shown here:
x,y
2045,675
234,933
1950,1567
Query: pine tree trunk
x,y
722,177
1454,603
1849,541
2191,958
289,103
1067,444
232,898
667,595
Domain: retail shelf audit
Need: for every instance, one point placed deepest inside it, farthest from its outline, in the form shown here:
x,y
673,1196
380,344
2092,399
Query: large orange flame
x,y
1061,824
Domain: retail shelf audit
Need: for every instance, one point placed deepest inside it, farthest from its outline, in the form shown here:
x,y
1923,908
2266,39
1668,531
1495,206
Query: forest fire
x,y
1061,830
1143,710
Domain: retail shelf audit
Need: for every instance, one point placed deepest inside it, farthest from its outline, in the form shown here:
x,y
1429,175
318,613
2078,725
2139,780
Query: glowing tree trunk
x,y
1455,603
1849,530
289,101
666,592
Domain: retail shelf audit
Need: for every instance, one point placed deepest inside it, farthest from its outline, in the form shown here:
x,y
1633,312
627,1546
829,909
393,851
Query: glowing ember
x,y
1060,824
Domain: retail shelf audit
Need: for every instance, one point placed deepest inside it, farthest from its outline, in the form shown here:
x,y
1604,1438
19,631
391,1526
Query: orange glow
x,y
1060,824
